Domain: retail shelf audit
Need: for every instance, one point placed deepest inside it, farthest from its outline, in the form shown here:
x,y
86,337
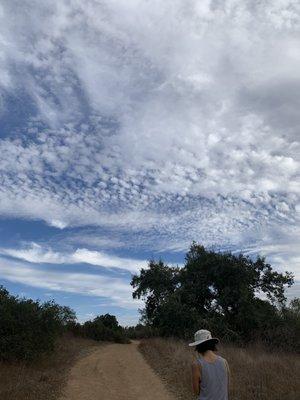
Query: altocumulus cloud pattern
x,y
139,125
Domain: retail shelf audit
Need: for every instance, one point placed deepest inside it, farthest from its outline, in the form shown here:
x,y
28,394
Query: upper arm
x,y
196,377
227,367
228,372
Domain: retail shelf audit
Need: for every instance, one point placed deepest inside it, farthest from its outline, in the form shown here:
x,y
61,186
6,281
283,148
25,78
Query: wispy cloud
x,y
115,290
38,254
35,254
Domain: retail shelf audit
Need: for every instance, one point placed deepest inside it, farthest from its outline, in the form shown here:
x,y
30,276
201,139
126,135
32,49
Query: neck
x,y
208,354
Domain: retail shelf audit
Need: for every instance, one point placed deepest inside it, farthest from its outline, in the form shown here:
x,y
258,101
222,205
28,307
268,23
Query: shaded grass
x,y
44,379
256,373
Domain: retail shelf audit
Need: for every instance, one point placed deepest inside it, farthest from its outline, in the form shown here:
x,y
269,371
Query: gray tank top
x,y
214,379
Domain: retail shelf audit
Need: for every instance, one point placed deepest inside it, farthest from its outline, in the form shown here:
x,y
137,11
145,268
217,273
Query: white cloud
x,y
99,258
128,320
171,121
38,254
35,254
117,292
93,238
281,249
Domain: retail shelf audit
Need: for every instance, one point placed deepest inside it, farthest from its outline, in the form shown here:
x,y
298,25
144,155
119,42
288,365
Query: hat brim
x,y
216,340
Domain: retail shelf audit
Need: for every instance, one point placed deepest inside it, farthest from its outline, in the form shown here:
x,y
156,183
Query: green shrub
x,y
104,328
29,328
141,331
285,335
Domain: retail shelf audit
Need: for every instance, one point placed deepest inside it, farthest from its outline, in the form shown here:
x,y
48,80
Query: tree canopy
x,y
233,294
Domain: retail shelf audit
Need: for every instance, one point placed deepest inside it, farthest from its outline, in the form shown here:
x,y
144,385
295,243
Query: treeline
x,y
102,328
237,298
29,329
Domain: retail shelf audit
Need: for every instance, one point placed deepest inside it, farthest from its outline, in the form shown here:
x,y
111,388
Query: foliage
x,y
102,328
154,285
140,331
29,328
220,291
285,334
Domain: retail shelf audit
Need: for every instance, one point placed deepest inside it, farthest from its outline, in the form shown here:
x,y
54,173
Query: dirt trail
x,y
114,372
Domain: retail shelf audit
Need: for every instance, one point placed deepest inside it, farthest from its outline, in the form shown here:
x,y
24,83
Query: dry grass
x,y
256,374
44,379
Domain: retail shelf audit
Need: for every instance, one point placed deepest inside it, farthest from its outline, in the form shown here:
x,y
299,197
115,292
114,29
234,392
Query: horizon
x,y
130,129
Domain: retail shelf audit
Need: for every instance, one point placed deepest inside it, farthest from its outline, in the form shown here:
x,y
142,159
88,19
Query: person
x,y
210,372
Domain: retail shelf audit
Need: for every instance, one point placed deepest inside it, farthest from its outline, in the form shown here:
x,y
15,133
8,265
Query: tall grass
x,y
43,379
256,374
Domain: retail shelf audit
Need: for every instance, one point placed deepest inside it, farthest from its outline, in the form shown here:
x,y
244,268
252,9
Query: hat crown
x,y
202,335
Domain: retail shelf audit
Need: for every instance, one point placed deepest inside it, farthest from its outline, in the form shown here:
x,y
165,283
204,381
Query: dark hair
x,y
207,345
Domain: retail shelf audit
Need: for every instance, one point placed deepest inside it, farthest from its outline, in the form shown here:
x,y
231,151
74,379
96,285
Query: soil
x,y
114,372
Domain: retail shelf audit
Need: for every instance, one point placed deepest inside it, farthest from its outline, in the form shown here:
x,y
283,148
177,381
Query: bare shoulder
x,y
196,367
222,358
225,362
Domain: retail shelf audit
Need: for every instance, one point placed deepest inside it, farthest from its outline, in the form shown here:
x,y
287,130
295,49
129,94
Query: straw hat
x,y
202,336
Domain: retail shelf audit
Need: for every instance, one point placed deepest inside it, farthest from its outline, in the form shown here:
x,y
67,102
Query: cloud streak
x,y
37,254
116,291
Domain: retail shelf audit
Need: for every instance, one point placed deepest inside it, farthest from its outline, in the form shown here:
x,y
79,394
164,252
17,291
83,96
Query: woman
x,y
210,372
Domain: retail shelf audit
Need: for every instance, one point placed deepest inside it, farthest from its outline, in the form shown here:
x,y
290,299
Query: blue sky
x,y
128,129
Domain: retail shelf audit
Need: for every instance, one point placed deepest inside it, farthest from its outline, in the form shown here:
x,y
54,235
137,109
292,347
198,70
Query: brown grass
x,y
256,374
44,379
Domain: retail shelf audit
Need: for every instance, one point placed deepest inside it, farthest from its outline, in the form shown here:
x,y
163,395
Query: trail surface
x,y
114,372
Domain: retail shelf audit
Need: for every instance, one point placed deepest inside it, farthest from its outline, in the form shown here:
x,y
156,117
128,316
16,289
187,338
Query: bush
x,y
285,335
141,331
104,328
29,328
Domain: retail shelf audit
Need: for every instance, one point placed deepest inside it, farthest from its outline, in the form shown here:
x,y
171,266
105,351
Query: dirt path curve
x,y
114,372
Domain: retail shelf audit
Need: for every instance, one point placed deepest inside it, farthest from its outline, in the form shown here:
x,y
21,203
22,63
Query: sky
x,y
130,128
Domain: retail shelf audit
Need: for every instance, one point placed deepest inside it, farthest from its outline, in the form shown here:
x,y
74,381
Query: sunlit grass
x,y
43,379
256,373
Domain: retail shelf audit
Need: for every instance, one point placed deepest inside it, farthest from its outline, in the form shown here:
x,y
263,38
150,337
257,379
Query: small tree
x,y
105,328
